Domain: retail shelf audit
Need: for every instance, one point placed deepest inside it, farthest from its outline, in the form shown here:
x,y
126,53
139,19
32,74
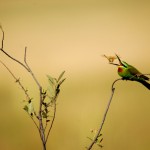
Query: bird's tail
x,y
146,84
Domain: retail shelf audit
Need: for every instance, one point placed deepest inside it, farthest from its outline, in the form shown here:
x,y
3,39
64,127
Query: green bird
x,y
129,72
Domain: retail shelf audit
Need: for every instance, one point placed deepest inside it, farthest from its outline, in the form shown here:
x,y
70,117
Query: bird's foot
x,y
124,78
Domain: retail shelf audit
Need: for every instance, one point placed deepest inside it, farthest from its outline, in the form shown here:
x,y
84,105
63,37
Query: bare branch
x,y
2,46
42,135
17,80
54,115
29,69
41,128
34,123
41,98
104,117
115,82
22,87
25,53
2,37
14,59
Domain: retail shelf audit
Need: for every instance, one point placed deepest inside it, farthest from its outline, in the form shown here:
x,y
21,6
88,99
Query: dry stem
x,y
22,87
104,117
26,66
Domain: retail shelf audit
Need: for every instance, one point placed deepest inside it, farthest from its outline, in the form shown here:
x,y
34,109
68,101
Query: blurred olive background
x,y
72,36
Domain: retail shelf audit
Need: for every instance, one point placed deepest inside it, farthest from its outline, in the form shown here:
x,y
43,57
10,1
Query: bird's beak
x,y
119,59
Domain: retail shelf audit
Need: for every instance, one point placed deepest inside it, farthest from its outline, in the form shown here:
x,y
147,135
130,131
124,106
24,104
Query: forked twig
x,y
2,37
2,49
104,117
40,116
54,115
29,69
17,80
52,122
41,128
26,66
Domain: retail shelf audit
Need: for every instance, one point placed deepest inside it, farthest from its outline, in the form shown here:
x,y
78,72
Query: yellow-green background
x,y
72,35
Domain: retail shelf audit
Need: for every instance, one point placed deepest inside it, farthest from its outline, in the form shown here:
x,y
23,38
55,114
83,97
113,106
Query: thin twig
x,y
2,46
2,37
26,66
41,128
14,59
54,115
104,117
45,126
29,69
34,123
25,54
22,87
18,81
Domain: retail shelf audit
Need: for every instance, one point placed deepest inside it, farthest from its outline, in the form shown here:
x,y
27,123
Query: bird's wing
x,y
135,72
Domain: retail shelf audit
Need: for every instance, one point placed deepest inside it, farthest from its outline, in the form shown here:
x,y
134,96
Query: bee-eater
x,y
129,72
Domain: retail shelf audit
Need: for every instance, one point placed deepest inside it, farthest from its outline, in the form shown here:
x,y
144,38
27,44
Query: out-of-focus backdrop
x,y
72,36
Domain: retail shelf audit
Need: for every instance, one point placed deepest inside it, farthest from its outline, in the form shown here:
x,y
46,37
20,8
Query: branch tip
x,y
104,116
25,54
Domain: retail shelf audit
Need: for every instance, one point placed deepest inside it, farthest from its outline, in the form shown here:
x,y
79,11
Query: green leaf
x,y
52,85
30,108
60,76
61,81
51,91
51,80
44,114
26,108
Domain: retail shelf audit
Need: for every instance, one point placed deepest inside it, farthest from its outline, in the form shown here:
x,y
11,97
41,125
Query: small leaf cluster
x,y
49,97
51,94
99,139
54,86
29,108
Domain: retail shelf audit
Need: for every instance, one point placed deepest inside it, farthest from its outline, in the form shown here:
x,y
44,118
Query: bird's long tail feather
x,y
146,84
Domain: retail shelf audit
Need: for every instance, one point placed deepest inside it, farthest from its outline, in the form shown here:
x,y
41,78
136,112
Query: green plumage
x,y
129,72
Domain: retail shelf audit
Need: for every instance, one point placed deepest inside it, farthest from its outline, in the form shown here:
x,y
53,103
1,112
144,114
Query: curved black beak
x,y
119,59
